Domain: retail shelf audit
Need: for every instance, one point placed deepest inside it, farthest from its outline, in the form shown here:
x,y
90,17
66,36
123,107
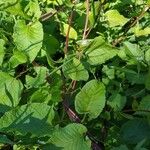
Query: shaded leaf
x,y
28,118
121,147
141,128
50,44
144,106
117,101
4,139
50,147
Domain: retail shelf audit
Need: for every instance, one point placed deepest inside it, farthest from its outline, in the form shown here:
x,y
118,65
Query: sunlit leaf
x,y
99,52
115,18
10,94
71,137
75,70
39,79
72,33
2,51
91,99
31,41
18,58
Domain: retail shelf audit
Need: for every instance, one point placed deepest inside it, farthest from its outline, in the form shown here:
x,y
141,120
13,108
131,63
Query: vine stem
x,y
68,31
139,17
96,17
84,34
87,18
58,68
48,15
84,117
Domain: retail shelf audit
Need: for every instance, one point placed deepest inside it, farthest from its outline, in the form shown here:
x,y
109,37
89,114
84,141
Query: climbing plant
x,y
75,75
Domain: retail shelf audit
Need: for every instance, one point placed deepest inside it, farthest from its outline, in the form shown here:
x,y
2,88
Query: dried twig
x,y
101,4
48,15
21,73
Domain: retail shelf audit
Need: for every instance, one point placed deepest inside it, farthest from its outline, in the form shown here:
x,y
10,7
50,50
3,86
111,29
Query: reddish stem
x,y
87,18
67,36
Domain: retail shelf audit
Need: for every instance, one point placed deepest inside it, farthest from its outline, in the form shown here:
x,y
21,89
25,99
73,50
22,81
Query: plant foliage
x,y
75,75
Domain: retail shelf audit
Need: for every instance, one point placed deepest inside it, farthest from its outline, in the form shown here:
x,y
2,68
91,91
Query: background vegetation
x,y
75,75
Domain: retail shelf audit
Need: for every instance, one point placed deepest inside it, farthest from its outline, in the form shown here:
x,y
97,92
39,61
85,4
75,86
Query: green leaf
x,y
23,8
147,80
147,56
75,70
121,147
32,9
115,18
39,79
71,137
4,139
135,78
50,147
92,44
145,106
28,119
55,2
72,33
56,87
12,6
99,52
141,128
42,95
110,72
17,59
139,146
28,38
10,91
142,32
50,44
91,99
2,51
133,50
117,101
84,43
